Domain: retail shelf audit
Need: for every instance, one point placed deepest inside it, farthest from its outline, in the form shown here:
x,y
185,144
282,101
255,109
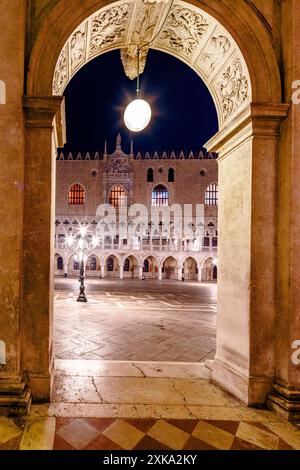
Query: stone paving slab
x,y
136,321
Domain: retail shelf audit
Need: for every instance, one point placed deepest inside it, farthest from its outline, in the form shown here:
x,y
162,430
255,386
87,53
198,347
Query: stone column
x,y
179,273
140,272
65,268
102,271
39,192
159,273
245,360
199,275
13,391
285,396
121,272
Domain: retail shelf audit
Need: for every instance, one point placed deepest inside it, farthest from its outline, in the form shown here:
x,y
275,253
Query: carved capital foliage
x,y
185,31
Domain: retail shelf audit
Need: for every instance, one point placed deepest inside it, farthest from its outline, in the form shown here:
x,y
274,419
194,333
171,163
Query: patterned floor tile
x,y
213,435
9,430
169,435
124,434
196,444
148,443
78,433
259,437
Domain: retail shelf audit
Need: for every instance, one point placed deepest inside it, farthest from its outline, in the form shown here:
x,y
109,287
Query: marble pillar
x,y
245,359
285,396
102,271
121,272
13,388
37,293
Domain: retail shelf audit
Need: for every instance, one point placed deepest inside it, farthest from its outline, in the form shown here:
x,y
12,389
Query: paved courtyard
x,y
133,320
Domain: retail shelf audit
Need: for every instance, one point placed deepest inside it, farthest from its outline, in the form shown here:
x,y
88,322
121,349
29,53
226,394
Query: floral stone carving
x,y
233,88
184,30
109,27
61,74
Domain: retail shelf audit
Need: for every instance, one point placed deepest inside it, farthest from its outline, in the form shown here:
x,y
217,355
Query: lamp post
x,y
82,296
81,248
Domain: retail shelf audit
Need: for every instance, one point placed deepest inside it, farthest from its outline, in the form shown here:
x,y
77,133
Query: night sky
x,y
184,115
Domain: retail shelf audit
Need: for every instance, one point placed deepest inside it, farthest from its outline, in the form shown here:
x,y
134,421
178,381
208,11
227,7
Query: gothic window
x,y
215,241
150,177
60,263
110,264
76,194
93,264
146,266
206,241
117,197
211,195
160,196
171,175
127,265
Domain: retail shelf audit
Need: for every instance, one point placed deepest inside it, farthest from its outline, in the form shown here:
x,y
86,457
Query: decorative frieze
x,y
185,31
108,28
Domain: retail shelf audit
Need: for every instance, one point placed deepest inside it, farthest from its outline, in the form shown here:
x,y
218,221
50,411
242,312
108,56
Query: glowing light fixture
x,y
138,113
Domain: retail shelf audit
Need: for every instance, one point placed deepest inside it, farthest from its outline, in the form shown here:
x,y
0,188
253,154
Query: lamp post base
x,y
82,298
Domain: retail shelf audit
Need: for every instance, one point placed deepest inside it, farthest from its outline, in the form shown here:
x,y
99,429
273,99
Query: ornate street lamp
x,y
81,247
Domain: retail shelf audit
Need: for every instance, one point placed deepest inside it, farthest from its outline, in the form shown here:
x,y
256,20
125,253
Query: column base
x,y
15,398
285,401
250,390
40,386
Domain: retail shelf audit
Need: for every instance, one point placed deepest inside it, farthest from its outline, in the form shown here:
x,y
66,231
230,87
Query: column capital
x,y
40,110
257,119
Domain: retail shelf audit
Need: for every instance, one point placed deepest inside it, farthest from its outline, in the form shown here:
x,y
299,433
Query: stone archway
x,y
190,269
150,267
249,126
170,268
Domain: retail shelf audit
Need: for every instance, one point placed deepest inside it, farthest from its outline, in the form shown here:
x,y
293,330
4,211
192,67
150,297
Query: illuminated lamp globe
x,y
137,115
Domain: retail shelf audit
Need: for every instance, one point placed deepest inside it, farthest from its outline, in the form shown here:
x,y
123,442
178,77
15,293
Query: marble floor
x,y
134,320
117,405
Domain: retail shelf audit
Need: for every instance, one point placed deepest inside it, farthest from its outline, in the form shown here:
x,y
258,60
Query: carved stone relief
x,y
188,33
184,30
61,74
108,27
143,30
217,48
77,49
233,88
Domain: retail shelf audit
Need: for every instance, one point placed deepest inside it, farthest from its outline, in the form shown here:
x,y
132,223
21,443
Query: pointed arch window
x,y
93,264
110,264
60,263
118,197
127,265
211,195
160,196
76,194
146,266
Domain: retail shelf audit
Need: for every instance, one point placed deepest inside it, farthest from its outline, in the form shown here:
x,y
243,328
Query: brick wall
x,y
189,186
